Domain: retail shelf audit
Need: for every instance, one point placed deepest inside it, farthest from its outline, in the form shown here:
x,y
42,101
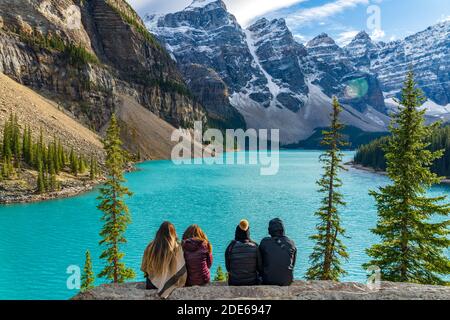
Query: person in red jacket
x,y
198,255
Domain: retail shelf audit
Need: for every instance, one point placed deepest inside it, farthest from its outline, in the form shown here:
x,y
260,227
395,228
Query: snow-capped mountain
x,y
428,52
275,82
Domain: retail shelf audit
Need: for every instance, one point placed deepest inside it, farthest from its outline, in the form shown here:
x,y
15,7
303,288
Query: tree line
x,y
412,244
19,150
372,155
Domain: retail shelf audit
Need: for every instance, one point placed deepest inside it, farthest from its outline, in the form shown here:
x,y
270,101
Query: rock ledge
x,y
315,290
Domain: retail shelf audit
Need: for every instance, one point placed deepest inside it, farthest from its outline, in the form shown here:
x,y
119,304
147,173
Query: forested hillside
x,y
372,155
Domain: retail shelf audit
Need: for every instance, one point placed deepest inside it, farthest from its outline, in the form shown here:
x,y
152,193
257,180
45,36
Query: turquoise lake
x,y
40,241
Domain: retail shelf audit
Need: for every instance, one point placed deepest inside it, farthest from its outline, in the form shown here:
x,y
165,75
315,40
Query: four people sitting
x,y
168,264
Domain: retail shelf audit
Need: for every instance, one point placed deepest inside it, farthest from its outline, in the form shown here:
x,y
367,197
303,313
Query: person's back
x,y
278,254
163,262
242,258
198,261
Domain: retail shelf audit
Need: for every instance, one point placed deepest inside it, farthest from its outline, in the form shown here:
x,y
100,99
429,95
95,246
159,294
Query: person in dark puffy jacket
x,y
279,255
198,255
242,258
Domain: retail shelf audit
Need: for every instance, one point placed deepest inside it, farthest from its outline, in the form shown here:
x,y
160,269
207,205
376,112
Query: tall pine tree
x,y
87,279
412,243
116,216
329,249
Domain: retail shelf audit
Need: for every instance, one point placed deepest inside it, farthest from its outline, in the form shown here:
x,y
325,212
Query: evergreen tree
x,y
116,216
73,163
220,275
412,246
25,144
329,249
93,168
6,145
15,143
41,179
81,164
87,279
61,155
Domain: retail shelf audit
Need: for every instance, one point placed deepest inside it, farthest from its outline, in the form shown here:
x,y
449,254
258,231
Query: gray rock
x,y
315,290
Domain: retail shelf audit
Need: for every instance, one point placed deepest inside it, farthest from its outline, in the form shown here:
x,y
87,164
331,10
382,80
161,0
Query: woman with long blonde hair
x,y
198,256
163,263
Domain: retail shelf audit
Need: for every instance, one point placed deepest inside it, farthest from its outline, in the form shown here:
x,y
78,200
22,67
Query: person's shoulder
x,y
231,243
253,243
266,239
290,241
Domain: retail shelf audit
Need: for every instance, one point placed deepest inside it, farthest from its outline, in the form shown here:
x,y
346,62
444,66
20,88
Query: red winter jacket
x,y
198,262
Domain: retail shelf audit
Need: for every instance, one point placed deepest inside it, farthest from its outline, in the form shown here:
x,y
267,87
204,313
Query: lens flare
x,y
356,88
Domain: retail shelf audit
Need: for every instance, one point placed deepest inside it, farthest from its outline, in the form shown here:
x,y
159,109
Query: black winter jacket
x,y
243,262
279,255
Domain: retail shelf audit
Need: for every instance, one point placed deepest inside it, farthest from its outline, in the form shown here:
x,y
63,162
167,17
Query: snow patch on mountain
x,y
271,85
202,4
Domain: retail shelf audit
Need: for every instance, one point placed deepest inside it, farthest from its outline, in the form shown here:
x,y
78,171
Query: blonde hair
x,y
160,255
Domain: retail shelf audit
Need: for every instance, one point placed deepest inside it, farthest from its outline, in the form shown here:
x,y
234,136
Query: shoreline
x,y
68,192
383,173
74,191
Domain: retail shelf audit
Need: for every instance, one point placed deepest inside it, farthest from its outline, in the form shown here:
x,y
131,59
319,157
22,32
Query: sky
x,y
384,20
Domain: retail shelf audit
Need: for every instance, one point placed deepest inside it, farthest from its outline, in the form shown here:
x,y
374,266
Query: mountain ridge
x,y
275,75
268,74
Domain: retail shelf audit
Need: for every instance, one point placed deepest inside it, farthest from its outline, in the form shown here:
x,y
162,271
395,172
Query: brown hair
x,y
161,253
195,232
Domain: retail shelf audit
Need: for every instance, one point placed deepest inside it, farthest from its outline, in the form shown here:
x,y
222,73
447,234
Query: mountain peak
x,y
276,24
321,39
363,35
208,4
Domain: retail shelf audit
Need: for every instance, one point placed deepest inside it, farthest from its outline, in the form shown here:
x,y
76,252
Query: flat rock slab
x,y
313,290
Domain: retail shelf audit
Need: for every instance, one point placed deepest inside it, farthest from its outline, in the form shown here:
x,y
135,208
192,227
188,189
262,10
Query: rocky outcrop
x,y
86,54
316,290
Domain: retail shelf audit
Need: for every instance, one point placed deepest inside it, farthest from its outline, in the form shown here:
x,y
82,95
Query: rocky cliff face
x,y
84,54
272,80
314,290
212,92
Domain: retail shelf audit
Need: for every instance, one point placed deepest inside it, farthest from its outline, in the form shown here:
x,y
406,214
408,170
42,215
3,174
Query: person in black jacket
x,y
242,258
278,254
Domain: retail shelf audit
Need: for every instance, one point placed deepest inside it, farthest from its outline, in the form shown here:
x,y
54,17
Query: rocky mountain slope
x,y
86,55
275,82
39,113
